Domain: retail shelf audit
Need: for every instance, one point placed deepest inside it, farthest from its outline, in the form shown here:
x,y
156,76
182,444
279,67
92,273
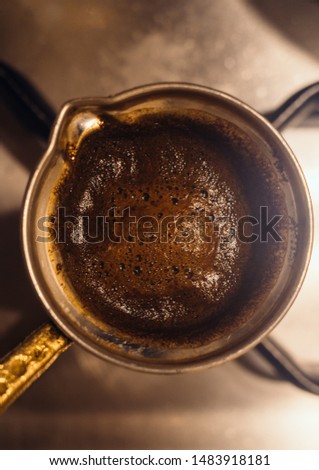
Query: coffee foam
x,y
158,165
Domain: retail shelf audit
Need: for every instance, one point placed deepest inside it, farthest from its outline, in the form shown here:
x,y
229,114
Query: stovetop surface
x,y
258,51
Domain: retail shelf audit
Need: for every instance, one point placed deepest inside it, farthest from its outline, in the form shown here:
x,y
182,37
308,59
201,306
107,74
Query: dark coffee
x,y
152,213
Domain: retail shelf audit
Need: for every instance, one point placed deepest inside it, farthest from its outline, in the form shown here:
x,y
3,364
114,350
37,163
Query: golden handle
x,y
21,367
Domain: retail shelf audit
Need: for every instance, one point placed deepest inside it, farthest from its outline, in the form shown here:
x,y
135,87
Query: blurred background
x,y
260,51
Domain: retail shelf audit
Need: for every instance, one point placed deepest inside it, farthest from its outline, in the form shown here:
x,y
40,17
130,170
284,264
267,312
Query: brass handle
x,y
22,366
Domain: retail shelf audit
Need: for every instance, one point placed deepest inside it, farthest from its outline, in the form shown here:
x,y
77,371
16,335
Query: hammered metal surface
x,y
28,361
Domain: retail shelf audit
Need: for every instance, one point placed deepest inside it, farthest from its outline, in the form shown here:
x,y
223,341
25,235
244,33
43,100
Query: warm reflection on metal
x,y
287,366
20,368
301,107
